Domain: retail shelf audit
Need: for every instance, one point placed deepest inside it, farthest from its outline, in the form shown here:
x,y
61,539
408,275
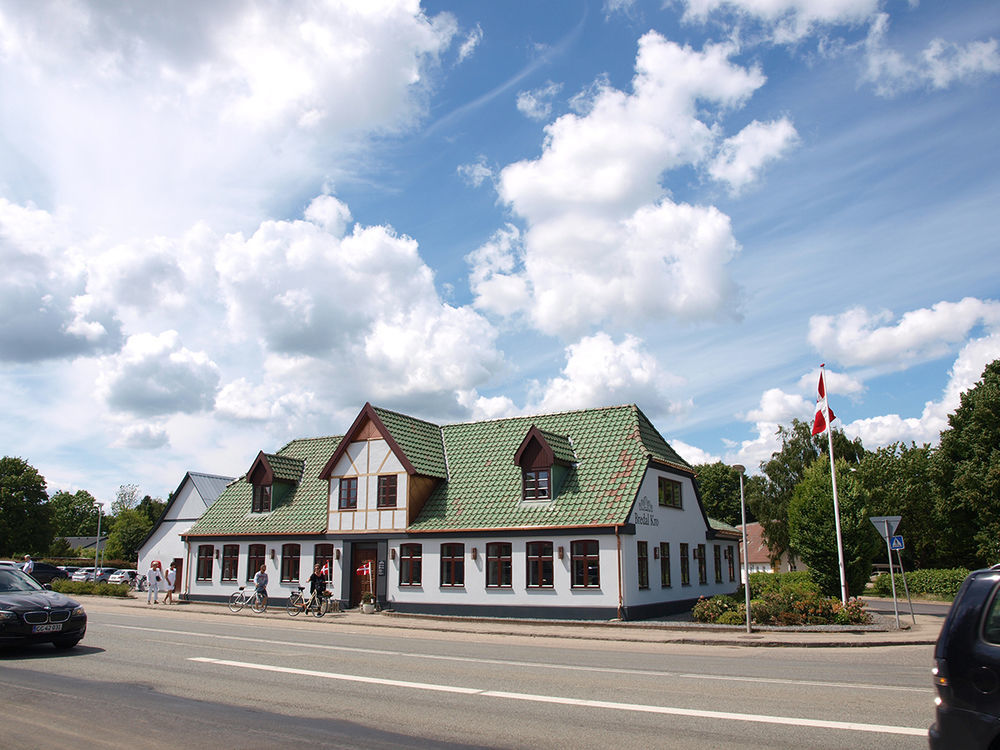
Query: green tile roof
x,y
285,467
561,446
303,511
420,442
611,448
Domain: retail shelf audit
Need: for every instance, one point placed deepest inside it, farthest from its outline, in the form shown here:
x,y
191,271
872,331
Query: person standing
x,y
260,582
29,565
153,579
171,579
317,581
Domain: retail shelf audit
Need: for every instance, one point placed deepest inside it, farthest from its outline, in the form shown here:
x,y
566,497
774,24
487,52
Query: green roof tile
x,y
420,441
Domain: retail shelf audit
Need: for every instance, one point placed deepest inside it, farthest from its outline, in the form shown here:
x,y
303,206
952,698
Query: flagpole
x,y
836,502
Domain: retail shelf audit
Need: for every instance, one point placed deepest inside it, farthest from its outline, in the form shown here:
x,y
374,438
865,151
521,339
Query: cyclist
x,y
317,582
260,582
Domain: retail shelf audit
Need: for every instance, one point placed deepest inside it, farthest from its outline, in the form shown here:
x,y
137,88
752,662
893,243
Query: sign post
x,y
896,543
886,526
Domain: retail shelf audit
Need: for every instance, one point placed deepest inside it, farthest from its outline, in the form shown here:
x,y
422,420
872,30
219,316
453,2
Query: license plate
x,y
51,627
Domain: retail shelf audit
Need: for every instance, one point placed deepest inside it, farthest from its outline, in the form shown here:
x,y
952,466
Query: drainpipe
x,y
618,539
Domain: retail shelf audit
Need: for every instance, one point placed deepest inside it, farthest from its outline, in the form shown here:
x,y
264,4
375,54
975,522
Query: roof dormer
x,y
544,458
273,477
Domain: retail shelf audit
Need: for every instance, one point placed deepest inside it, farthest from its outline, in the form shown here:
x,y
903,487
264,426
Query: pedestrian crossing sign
x,y
896,542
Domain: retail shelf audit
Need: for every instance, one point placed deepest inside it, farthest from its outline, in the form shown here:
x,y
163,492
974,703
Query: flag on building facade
x,y
365,570
820,422
325,570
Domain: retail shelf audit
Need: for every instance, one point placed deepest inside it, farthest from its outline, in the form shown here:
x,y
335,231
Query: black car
x,y
967,668
30,613
45,573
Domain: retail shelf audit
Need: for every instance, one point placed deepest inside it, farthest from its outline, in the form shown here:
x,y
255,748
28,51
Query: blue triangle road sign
x,y
896,542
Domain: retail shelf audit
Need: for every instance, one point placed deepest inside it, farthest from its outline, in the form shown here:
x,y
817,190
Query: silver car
x,y
123,575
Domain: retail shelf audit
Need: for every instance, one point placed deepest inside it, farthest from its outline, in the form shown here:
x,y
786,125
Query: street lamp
x,y
97,546
746,547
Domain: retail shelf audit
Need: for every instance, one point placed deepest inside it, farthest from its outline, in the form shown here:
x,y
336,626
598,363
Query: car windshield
x,y
15,580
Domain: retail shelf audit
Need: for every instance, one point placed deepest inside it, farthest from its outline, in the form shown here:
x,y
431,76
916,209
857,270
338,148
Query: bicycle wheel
x,y
258,603
294,604
319,606
236,601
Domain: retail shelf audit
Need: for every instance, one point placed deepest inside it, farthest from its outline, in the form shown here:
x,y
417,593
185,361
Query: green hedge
x,y
942,583
64,586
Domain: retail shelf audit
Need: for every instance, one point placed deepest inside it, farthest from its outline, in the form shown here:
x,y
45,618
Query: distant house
x,y
193,496
760,559
86,543
579,515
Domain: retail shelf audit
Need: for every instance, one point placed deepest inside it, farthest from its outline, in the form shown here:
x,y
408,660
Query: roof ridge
x,y
406,416
210,476
543,414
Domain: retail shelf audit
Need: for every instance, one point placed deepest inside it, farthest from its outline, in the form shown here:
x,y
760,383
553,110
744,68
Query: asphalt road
x,y
147,678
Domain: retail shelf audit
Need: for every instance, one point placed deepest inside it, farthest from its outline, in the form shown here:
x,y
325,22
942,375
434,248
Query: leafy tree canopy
x,y
127,498
151,508
812,528
719,485
25,526
73,514
129,529
967,469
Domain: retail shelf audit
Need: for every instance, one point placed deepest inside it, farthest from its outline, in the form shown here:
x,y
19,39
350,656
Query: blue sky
x,y
225,226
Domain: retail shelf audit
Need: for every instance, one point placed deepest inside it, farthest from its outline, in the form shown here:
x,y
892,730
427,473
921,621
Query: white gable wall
x,y
367,460
165,544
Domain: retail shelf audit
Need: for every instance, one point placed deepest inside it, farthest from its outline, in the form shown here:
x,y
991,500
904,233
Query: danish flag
x,y
365,570
325,570
820,422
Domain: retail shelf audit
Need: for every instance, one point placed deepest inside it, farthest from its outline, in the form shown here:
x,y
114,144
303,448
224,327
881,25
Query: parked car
x,y
69,570
123,575
30,613
967,667
45,573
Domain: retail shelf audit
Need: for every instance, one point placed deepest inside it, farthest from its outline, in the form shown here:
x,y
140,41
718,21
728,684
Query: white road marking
x,y
532,664
668,710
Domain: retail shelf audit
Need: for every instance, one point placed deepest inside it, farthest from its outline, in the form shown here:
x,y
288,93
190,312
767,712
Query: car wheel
x,y
65,643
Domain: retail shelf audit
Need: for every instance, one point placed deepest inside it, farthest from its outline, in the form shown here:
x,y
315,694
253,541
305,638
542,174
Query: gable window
x,y
206,556
261,498
717,550
642,556
702,565
665,565
536,484
348,493
685,566
290,554
255,558
410,564
323,555
729,562
387,491
669,493
586,562
230,561
452,564
539,556
499,568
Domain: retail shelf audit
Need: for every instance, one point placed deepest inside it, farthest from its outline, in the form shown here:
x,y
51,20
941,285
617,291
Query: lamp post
x,y
746,548
97,546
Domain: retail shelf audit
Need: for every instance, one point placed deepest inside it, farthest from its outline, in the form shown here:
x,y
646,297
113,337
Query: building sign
x,y
644,513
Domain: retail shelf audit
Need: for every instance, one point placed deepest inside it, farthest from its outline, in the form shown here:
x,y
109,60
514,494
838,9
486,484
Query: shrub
x,y
710,610
943,583
731,617
852,613
64,586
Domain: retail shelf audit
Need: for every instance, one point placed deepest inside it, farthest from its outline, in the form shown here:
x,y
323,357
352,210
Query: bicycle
x,y
318,604
138,583
239,599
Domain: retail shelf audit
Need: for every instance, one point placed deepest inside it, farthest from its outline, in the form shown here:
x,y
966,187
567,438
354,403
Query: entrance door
x,y
178,567
361,583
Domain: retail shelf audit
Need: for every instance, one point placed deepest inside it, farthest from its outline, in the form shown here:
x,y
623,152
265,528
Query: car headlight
x,y
77,612
6,614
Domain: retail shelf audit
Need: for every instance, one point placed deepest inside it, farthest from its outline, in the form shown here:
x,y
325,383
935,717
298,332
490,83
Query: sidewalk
x,y
924,633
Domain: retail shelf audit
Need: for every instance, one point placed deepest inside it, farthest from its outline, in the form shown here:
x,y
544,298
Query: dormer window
x,y
261,498
537,484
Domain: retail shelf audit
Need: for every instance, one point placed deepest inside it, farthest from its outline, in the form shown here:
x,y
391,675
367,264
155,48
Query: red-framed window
x,y
499,565
410,564
730,564
642,558
586,564
685,566
323,555
665,565
717,552
290,554
702,565
540,566
261,498
348,493
206,558
537,484
255,558
230,561
387,491
452,564
669,492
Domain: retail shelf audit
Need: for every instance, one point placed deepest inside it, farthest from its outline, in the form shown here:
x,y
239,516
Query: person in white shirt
x,y
171,577
153,580
29,565
260,582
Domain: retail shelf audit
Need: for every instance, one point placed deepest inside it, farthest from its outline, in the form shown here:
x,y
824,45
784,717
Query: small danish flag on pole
x,y
365,570
822,420
325,570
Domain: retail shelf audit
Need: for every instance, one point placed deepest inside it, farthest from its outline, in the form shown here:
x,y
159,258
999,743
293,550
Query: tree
x,y
128,530
799,450
899,482
152,508
813,534
24,515
967,470
126,498
719,485
73,514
